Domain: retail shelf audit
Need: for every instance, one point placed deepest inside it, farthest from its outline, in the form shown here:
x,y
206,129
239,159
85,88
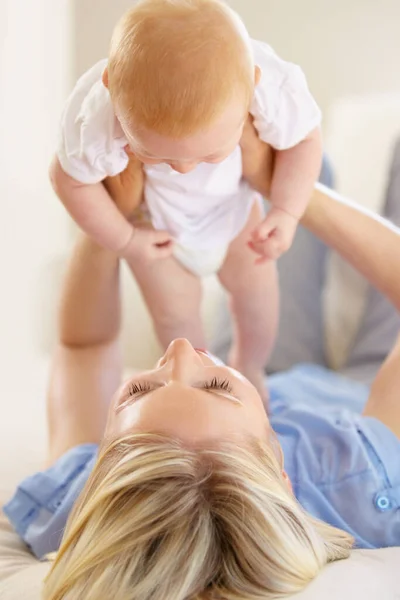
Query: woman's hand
x,y
257,160
127,188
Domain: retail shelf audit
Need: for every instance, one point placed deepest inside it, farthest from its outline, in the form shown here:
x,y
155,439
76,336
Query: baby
x,y
182,80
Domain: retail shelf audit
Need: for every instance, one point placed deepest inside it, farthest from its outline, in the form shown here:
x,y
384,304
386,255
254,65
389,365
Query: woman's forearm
x,y
365,240
90,303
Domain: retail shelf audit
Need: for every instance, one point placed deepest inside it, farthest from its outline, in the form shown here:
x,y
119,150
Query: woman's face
x,y
190,396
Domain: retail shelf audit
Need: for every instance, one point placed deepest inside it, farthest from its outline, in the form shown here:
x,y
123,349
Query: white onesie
x,y
205,209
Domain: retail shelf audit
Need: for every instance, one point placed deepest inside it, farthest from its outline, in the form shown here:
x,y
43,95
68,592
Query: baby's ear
x,y
104,77
257,75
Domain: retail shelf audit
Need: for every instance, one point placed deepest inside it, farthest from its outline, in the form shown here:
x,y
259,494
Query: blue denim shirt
x,y
345,468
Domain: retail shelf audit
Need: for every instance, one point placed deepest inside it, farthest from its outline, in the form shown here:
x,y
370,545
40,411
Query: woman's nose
x,y
183,360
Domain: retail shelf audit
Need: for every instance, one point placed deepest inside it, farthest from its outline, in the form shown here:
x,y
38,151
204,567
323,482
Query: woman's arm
x,y
372,246
365,240
86,364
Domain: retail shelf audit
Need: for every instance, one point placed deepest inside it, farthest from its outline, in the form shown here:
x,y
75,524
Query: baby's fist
x,y
274,236
148,244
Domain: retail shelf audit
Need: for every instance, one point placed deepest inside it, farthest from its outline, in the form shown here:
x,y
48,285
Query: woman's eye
x,y
218,384
139,387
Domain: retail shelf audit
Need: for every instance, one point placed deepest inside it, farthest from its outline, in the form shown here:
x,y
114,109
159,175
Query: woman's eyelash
x,y
218,384
215,384
138,387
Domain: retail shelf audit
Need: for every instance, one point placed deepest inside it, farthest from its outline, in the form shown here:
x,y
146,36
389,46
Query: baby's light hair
x,y
174,65
160,521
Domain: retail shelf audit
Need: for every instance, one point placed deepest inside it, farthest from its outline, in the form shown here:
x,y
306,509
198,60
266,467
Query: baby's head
x,y
181,77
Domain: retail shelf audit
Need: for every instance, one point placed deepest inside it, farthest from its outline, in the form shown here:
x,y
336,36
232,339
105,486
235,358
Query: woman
x,y
180,484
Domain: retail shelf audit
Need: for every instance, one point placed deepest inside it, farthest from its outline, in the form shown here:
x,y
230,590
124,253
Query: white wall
x,y
35,74
345,46
34,78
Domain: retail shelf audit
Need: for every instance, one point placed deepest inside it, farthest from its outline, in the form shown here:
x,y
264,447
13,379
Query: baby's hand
x,y
148,244
274,235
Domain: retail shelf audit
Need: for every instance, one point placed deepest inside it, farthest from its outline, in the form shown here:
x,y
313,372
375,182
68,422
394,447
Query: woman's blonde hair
x,y
161,521
174,65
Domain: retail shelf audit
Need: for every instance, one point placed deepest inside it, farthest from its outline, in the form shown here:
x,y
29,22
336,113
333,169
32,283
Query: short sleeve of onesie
x,y
283,108
91,142
42,503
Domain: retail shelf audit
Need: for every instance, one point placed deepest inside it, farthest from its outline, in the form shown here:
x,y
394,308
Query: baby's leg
x,y
173,297
254,295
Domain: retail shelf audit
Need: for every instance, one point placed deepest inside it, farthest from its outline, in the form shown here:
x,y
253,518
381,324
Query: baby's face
x,y
183,155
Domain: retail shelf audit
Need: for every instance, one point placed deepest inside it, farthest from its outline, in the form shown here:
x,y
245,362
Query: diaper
x,y
201,262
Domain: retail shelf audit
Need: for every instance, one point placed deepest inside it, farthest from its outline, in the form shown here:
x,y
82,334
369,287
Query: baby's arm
x,y
295,173
93,210
287,118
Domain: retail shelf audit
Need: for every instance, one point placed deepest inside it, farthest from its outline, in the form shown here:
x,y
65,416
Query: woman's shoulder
x,y
344,467
317,416
41,504
313,386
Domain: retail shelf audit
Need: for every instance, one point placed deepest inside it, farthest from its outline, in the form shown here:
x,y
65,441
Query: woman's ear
x,y
104,78
287,481
257,75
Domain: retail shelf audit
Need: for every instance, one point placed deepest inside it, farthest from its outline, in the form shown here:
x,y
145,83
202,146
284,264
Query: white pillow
x,y
367,575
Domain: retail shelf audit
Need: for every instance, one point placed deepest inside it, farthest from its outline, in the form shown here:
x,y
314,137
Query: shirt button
x,y
383,503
